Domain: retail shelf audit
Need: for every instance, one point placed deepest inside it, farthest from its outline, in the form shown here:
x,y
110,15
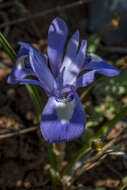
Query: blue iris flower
x,y
63,117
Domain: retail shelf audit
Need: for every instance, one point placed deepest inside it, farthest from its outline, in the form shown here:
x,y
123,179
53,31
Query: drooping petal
x,y
27,81
21,66
26,66
93,61
74,67
97,65
57,35
62,122
25,45
37,61
86,79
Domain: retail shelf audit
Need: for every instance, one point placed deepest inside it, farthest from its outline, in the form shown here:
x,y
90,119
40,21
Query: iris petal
x,y
72,49
97,65
57,126
27,81
41,70
93,61
21,67
57,35
75,65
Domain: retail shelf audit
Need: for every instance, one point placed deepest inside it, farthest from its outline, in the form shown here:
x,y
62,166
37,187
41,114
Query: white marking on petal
x,y
20,65
95,57
71,79
70,71
67,61
65,111
20,62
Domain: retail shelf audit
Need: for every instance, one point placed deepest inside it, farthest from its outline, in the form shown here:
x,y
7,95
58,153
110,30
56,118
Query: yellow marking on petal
x,y
64,99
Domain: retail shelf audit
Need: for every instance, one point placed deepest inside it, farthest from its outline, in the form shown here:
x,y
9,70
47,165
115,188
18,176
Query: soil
x,y
24,162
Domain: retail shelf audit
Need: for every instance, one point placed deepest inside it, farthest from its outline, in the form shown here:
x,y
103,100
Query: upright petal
x,y
71,52
73,69
97,65
62,122
37,61
57,35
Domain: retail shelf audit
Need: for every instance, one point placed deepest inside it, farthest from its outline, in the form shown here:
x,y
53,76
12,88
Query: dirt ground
x,y
24,162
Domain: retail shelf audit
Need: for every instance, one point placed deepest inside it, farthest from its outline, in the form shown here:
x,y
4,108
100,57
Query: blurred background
x,y
24,160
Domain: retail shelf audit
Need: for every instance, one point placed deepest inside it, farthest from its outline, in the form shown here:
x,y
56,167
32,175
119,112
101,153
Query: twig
x,y
4,17
88,164
116,153
112,49
43,13
8,4
23,11
20,132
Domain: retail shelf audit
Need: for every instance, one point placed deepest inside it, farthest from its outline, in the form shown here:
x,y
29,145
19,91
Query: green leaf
x,y
10,51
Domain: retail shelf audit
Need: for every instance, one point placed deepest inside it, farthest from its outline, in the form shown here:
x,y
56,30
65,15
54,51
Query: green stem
x,y
103,130
35,99
53,163
123,187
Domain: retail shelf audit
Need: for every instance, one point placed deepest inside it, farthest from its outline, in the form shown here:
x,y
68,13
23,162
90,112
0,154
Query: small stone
x,y
27,185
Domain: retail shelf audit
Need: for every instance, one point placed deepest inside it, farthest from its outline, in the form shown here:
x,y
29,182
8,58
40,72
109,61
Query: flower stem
x,y
53,163
123,187
35,99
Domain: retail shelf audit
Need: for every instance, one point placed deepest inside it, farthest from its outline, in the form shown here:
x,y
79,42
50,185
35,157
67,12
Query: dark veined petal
x,y
27,81
73,69
93,61
62,122
41,70
21,66
23,81
26,66
19,70
97,65
26,46
57,35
